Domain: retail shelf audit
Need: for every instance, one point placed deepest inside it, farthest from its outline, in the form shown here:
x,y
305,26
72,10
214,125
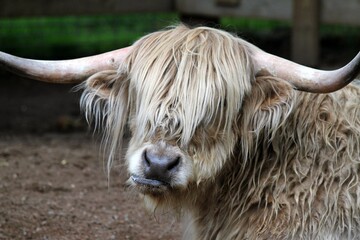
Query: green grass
x,y
244,24
83,35
259,25
74,36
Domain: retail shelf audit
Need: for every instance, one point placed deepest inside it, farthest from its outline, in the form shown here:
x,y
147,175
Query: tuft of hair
x,y
183,78
105,104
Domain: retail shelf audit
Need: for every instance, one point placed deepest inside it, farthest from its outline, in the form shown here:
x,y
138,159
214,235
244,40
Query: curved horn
x,y
64,71
305,78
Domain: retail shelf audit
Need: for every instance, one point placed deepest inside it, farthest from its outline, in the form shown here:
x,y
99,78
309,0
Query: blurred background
x,y
316,33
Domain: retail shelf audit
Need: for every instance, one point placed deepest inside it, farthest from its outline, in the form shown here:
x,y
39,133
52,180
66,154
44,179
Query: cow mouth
x,y
152,187
149,182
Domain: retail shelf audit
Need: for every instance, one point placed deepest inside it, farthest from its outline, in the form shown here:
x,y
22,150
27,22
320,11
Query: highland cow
x,y
243,144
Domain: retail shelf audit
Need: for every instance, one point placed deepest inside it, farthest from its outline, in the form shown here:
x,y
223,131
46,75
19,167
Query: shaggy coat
x,y
259,160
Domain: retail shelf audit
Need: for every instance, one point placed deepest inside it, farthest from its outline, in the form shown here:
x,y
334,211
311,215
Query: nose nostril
x,y
172,164
146,159
160,166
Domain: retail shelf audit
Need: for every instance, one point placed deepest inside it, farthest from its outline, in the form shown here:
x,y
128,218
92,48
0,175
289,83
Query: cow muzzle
x,y
159,167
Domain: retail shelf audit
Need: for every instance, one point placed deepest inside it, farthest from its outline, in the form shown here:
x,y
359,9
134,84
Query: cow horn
x,y
305,78
64,71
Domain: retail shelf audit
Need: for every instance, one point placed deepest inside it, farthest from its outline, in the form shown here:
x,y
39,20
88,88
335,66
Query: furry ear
x,y
101,83
267,107
102,92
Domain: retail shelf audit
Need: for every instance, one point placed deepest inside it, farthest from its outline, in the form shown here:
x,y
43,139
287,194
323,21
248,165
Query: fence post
x,y
305,31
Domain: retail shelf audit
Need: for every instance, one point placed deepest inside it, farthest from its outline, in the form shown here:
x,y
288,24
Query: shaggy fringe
x,y
196,82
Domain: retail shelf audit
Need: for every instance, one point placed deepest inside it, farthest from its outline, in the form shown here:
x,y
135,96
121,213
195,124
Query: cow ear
x,y
267,106
272,93
102,83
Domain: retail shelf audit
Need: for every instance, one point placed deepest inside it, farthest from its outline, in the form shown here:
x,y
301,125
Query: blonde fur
x,y
263,161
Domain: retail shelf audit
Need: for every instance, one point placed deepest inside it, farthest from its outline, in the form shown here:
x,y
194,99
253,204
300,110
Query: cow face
x,y
180,91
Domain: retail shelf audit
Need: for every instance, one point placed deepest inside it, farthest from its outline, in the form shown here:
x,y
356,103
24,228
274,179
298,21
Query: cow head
x,y
181,92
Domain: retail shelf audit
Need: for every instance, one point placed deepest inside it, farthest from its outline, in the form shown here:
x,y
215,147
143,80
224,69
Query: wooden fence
x,y
306,15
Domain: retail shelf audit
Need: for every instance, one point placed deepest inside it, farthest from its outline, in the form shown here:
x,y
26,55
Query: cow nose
x,y
160,166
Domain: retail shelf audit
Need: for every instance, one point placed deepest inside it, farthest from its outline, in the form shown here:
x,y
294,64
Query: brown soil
x,y
52,179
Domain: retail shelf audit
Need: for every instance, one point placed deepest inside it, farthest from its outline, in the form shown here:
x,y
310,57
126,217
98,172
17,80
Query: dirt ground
x,y
53,186
52,179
